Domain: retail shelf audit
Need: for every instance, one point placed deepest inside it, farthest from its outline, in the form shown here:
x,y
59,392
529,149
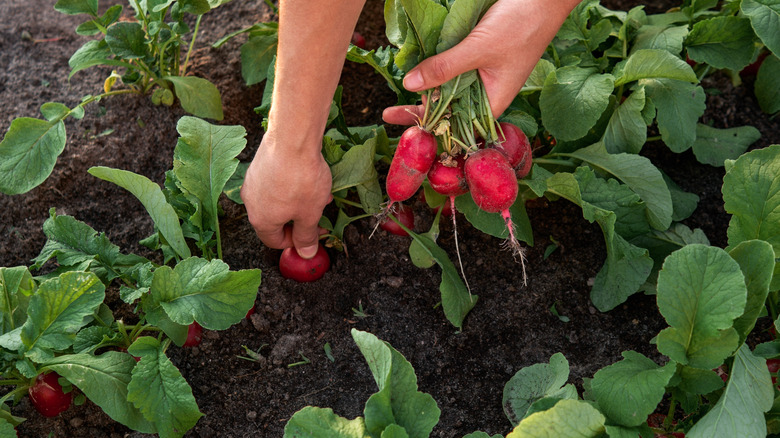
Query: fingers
x,y
440,68
305,238
403,114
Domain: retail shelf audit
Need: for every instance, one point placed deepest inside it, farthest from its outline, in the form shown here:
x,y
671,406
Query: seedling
x,y
305,361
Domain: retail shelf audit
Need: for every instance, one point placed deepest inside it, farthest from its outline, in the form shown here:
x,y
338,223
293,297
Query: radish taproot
x,y
413,157
493,186
47,395
297,268
405,215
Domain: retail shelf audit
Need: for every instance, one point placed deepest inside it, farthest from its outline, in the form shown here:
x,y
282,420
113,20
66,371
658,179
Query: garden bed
x,y
512,325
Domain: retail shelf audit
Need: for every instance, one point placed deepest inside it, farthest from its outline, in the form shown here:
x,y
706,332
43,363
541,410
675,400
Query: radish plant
x,y
150,51
60,323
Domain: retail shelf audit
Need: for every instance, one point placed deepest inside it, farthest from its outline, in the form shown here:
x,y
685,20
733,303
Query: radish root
x,y
518,252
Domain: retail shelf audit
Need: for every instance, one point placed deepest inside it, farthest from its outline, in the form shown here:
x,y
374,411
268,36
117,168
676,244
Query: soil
x,y
512,325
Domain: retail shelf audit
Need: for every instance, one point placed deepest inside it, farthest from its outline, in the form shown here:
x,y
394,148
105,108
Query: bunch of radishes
x,y
444,148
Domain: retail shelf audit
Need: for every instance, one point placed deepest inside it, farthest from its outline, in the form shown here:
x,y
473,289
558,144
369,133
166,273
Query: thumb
x,y
440,68
305,238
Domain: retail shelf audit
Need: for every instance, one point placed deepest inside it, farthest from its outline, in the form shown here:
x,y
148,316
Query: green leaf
x,y
73,242
639,174
714,146
313,422
74,7
767,85
104,379
567,419
669,38
683,203
93,52
457,301
493,223
630,390
206,292
159,391
626,131
535,382
425,21
28,153
764,16
722,42
16,287
756,258
609,194
198,96
662,243
701,290
127,40
355,167
58,310
383,62
7,429
257,55
233,186
153,199
655,64
740,410
195,7
398,400
751,194
54,111
204,160
573,99
539,75
480,434
679,106
697,382
460,21
394,431
627,266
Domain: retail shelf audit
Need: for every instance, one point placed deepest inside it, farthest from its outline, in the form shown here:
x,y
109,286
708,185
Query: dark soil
x,y
511,326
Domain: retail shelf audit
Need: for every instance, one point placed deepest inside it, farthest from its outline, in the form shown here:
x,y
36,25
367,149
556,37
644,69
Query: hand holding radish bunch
x,y
287,181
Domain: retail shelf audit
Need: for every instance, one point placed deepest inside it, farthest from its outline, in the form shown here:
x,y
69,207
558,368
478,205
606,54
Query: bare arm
x,y
288,179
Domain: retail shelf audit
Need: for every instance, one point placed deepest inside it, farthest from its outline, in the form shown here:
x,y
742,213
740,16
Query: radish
x,y
447,177
405,215
413,157
493,186
516,147
47,396
194,335
359,40
297,268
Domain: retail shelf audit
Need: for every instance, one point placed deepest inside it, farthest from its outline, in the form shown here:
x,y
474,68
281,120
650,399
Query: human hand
x,y
282,187
504,48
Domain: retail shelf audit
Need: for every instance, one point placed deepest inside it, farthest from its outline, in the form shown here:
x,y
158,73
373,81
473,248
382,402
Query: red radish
x,y
752,69
413,157
491,180
297,268
405,215
516,147
250,312
194,335
47,396
359,40
493,186
774,366
447,177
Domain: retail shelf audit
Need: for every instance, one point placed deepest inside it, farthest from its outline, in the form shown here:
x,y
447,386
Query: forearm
x,y
313,38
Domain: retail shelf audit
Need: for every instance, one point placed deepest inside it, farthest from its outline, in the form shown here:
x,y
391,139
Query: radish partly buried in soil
x,y
47,395
405,215
302,270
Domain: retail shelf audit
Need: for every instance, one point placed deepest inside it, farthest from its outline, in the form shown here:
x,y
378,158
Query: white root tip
x,y
518,252
382,216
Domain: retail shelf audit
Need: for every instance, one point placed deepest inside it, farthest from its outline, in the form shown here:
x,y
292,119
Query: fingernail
x,y
413,80
308,251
